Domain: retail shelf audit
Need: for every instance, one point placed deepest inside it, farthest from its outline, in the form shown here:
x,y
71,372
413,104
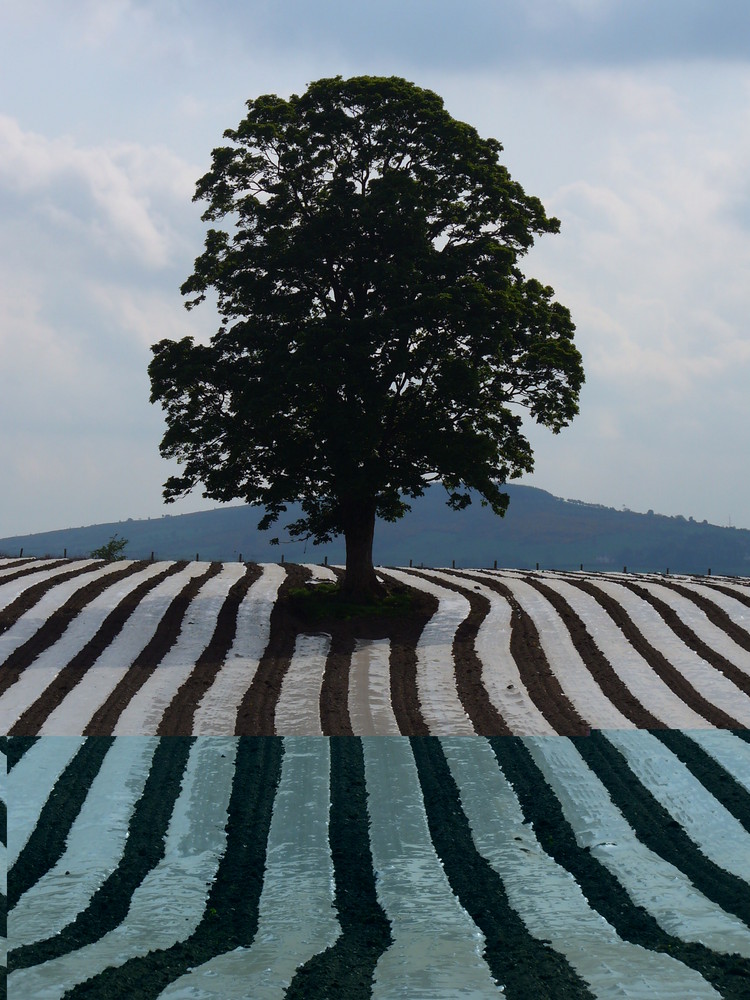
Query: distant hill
x,y
538,528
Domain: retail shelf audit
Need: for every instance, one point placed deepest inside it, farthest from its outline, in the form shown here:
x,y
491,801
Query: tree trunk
x,y
360,583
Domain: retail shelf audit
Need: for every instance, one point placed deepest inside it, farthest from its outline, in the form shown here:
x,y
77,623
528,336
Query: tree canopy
x,y
376,330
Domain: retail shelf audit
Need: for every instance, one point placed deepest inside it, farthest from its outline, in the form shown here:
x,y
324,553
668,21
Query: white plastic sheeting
x,y
322,574
697,619
577,683
8,566
89,857
296,916
728,750
30,783
298,708
436,675
500,674
167,906
37,677
217,711
708,681
369,696
437,947
145,710
718,835
547,897
14,588
32,620
663,890
79,705
641,679
3,857
737,611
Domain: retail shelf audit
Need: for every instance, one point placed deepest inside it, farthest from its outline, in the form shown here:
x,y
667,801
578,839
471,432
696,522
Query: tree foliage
x,y
376,330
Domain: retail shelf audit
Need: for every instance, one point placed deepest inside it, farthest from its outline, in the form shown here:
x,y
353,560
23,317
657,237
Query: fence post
x,y
582,567
65,553
709,571
624,569
496,564
325,560
409,560
240,559
453,563
537,565
282,558
20,554
152,555
197,557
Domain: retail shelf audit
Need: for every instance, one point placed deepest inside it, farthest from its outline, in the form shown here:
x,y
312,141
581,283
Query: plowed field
x,y
537,785
611,865
217,649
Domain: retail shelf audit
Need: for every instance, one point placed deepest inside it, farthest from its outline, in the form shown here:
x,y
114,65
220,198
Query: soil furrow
x,y
230,919
15,748
658,830
256,712
47,841
738,677
347,968
596,662
541,807
657,661
144,848
711,775
334,692
74,671
56,624
523,965
105,718
29,571
402,633
403,661
716,615
178,718
540,682
18,563
484,716
731,592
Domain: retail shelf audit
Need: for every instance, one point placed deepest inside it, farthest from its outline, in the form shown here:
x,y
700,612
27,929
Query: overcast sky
x,y
630,119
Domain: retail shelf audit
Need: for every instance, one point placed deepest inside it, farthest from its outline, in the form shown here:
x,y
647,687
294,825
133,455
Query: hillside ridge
x,y
538,528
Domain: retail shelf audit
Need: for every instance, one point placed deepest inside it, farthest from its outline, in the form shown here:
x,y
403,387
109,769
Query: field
x,y
219,649
177,828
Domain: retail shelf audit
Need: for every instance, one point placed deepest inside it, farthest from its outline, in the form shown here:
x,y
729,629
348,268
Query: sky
x,y
629,119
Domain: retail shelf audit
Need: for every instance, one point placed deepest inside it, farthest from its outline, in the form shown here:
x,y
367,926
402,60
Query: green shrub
x,y
112,550
316,602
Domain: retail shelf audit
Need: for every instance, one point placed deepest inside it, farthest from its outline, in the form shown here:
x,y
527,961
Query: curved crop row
x,y
220,649
539,866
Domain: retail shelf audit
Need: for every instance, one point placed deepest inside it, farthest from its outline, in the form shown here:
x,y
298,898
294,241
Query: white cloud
x,y
147,316
119,193
31,352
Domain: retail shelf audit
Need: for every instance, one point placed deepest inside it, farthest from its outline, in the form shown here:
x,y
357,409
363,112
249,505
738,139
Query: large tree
x,y
376,331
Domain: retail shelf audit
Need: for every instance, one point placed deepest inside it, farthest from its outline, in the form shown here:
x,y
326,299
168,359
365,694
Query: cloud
x,y
483,33
421,33
149,315
116,193
652,258
30,349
